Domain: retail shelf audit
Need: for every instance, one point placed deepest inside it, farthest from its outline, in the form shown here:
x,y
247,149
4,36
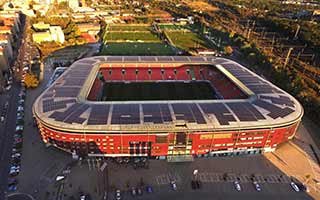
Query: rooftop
x,y
64,105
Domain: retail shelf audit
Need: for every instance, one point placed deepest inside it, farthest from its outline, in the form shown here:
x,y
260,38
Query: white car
x,y
25,69
8,88
237,185
16,155
118,195
14,168
20,108
257,186
19,128
294,186
173,185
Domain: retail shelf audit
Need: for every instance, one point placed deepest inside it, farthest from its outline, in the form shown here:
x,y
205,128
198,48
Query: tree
x,y
31,80
228,50
71,31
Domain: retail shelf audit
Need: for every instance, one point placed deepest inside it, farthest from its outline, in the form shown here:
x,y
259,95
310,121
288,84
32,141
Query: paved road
x,y
6,137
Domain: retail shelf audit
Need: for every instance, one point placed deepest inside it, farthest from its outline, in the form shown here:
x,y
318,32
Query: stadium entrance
x,y
179,149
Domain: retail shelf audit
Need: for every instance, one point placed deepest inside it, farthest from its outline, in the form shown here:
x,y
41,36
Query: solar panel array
x,y
59,101
252,81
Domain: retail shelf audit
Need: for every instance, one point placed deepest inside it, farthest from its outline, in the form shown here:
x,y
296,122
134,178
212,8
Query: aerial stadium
x,y
164,107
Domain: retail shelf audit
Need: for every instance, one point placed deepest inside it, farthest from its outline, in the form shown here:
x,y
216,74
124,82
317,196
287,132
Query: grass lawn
x,y
137,49
187,40
173,27
131,36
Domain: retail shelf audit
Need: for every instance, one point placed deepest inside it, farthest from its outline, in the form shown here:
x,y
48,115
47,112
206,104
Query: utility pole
x,y
297,31
272,42
287,58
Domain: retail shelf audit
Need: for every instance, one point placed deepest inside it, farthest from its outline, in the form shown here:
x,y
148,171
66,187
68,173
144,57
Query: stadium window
x,y
188,71
175,71
123,71
110,71
149,71
161,139
137,71
162,71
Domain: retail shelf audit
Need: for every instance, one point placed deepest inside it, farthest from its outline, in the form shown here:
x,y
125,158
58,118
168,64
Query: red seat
x,y
182,74
130,74
156,74
116,74
143,74
169,74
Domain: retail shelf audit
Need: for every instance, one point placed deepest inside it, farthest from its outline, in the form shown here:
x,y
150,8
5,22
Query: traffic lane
x,y
7,137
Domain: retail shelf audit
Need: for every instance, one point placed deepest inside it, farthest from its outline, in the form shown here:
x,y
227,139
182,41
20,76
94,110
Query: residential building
x,y
57,34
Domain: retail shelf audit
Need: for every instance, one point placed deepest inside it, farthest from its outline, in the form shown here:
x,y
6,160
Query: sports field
x,y
173,27
164,90
136,49
187,40
130,33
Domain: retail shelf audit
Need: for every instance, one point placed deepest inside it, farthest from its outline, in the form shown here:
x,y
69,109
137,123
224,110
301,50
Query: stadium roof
x,y
64,104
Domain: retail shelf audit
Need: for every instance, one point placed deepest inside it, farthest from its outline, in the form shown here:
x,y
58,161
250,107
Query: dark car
x,y
195,184
12,188
12,181
149,189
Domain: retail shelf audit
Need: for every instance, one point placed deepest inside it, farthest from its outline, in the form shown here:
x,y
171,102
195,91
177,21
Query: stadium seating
x,y
182,74
94,90
156,74
143,74
223,86
130,74
169,74
116,74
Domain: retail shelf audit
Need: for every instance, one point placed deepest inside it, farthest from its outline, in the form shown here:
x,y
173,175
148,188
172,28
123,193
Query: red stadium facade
x,y
250,115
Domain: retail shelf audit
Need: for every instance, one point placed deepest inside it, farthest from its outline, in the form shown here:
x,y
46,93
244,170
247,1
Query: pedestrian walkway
x,y
310,154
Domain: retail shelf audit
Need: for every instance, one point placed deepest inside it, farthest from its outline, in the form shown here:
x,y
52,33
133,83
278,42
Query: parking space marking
x,y
165,179
244,178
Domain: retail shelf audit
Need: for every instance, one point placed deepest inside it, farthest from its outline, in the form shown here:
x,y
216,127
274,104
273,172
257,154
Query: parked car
x,y
17,140
12,181
139,191
149,189
302,187
14,172
20,108
12,187
257,186
237,185
133,191
19,128
85,197
173,185
14,150
195,184
294,186
118,195
16,155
